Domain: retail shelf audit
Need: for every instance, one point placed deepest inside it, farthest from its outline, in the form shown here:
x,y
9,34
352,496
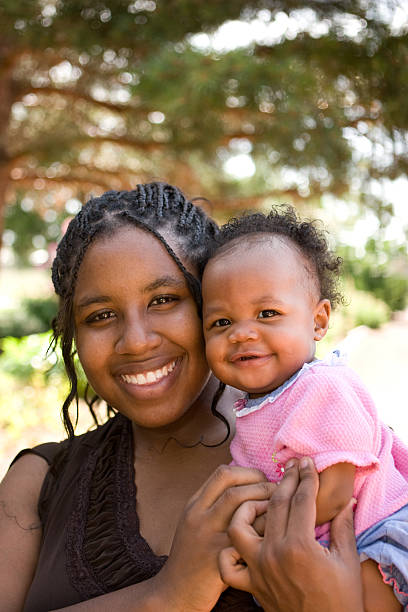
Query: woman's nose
x,y
243,332
136,336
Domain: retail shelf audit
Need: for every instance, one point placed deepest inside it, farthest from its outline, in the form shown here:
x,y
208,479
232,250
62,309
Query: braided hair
x,y
323,264
154,207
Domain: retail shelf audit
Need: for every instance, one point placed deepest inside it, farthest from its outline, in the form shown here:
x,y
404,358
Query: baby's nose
x,y
243,331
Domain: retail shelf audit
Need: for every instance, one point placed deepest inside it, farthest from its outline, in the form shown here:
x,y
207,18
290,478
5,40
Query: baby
x,y
268,290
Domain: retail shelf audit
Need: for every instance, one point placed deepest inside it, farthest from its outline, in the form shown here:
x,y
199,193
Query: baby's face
x,y
261,314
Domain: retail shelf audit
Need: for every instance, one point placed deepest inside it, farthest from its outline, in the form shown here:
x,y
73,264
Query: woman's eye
x,y
266,314
100,316
221,323
163,299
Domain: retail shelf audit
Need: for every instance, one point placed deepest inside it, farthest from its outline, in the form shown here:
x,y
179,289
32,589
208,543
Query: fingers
x,y
241,531
233,497
225,490
302,518
244,519
342,535
246,545
233,570
280,501
225,477
259,524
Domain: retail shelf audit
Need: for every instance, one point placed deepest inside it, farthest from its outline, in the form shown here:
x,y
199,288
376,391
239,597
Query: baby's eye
x,y
221,323
265,314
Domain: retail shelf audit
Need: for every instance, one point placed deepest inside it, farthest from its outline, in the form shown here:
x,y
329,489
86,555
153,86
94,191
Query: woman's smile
x,y
149,377
151,383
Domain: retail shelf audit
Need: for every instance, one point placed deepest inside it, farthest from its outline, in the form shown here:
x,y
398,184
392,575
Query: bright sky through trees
x,y
264,30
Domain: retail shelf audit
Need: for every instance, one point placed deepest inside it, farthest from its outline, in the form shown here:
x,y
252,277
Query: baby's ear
x,y
321,319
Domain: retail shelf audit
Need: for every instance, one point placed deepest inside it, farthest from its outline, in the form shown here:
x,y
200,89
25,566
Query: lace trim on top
x,y
104,548
105,551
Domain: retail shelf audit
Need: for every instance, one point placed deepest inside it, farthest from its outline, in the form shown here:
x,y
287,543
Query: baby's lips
x,y
246,355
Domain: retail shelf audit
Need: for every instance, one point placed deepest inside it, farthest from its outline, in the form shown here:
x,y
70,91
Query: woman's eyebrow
x,y
162,281
166,281
94,299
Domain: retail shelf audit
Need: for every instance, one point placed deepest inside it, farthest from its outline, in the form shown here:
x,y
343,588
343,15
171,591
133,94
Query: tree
x,y
101,94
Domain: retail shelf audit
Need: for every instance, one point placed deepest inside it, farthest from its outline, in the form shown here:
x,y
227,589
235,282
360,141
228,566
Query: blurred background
x,y
245,103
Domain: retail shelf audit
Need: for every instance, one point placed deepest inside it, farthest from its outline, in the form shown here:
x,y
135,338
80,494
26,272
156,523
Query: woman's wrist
x,y
161,596
173,596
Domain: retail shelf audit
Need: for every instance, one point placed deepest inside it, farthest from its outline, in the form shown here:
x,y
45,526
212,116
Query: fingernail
x,y
305,462
353,499
290,463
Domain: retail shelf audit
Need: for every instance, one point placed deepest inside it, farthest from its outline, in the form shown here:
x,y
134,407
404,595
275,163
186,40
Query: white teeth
x,y
150,376
141,379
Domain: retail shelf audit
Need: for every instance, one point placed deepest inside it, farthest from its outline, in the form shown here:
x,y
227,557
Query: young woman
x,y
134,514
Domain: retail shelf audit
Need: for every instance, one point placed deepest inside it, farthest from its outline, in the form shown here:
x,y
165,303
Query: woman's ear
x,y
321,319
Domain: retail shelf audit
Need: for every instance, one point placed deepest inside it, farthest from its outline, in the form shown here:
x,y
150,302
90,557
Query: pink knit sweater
x,y
327,414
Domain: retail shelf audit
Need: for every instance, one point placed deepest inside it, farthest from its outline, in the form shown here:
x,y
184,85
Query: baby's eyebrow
x,y
211,309
264,299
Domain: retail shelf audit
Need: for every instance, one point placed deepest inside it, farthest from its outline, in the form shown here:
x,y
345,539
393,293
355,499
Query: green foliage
x,y
370,311
31,359
33,387
44,310
382,271
88,78
110,23
26,357
27,225
33,316
361,308
260,90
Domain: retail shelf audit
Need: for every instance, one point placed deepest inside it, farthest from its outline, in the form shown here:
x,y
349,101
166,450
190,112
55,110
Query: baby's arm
x,y
335,490
336,484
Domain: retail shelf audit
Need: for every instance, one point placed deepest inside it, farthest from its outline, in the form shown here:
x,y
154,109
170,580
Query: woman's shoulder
x,y
49,451
46,451
20,489
20,527
63,462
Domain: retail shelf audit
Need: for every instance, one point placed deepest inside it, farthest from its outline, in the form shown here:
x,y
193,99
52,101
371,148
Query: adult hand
x,y
287,570
190,579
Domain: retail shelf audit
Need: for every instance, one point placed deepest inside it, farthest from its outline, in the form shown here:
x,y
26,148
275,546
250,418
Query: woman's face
x,y
137,330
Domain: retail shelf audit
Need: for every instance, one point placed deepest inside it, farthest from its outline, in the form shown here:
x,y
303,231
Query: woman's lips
x,y
149,377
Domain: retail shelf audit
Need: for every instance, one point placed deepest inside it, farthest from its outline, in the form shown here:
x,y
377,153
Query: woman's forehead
x,y
139,245
175,242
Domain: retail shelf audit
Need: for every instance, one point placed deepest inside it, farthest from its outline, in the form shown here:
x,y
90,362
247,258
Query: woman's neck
x,y
197,427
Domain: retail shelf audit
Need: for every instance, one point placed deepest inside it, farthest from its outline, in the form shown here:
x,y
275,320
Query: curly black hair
x,y
324,265
157,208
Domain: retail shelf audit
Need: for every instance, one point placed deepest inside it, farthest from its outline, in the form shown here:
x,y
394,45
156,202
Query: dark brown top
x,y
91,539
